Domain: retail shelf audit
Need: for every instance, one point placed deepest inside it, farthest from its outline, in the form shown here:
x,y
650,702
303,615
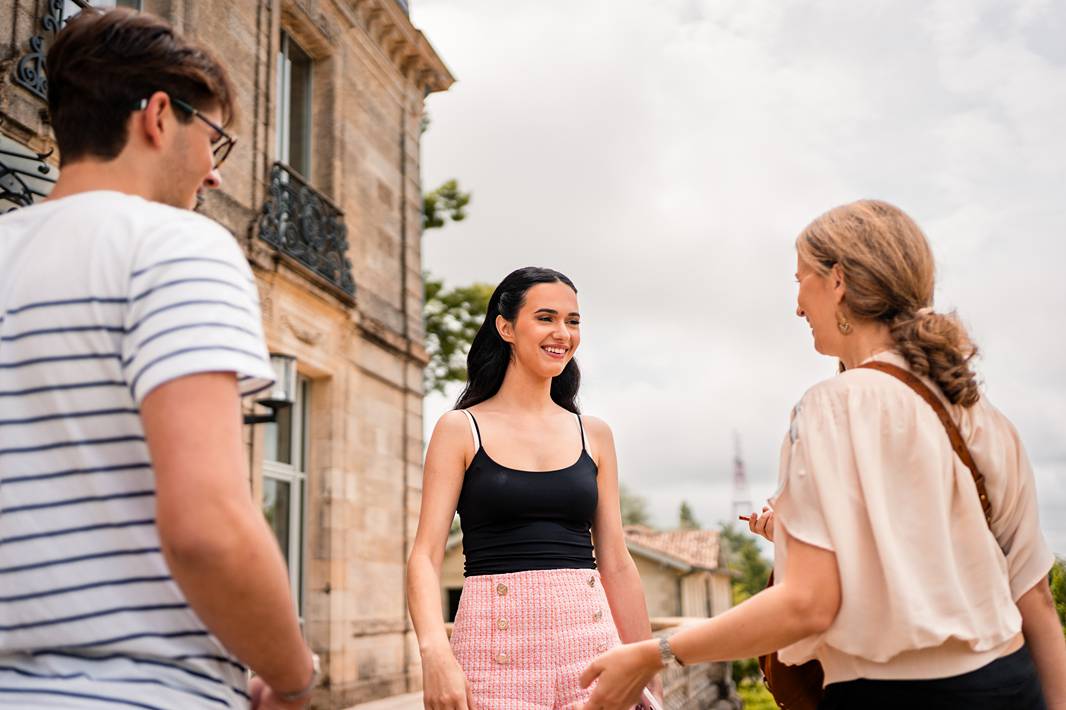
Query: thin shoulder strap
x,y
584,439
952,429
474,431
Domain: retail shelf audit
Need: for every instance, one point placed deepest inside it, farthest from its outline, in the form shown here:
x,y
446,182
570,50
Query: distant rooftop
x,y
697,548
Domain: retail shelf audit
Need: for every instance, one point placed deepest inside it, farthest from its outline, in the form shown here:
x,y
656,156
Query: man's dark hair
x,y
104,62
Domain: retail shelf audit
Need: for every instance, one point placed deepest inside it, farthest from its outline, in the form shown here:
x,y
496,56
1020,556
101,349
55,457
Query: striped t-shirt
x,y
104,296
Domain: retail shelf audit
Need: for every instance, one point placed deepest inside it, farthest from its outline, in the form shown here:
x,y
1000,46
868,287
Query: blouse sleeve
x,y
1016,524
798,504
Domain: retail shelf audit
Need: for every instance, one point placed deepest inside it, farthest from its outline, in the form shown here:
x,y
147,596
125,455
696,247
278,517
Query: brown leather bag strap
x,y
952,429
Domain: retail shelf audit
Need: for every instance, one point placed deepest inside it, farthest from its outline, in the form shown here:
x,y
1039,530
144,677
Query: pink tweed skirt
x,y
524,638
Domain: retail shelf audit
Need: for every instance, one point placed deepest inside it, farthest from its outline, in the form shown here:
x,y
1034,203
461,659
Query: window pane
x,y
277,507
293,101
277,438
281,103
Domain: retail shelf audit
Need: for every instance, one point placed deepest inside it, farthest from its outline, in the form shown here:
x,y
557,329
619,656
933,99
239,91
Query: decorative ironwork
x,y
302,222
29,72
24,175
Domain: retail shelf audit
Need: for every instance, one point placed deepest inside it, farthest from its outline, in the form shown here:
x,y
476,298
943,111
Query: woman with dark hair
x,y
909,559
534,483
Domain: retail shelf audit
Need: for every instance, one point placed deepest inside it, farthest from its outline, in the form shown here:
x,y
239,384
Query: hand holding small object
x,y
761,524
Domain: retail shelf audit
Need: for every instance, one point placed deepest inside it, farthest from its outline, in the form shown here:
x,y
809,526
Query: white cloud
x,y
664,155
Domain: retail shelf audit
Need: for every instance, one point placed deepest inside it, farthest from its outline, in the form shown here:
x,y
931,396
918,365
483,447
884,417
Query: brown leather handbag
x,y
800,687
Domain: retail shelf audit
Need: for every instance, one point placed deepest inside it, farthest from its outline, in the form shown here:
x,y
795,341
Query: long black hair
x,y
490,355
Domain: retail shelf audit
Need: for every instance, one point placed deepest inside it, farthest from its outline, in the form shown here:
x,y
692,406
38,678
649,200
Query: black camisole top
x,y
517,521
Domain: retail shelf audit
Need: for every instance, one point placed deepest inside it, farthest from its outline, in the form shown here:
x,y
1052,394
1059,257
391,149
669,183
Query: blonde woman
x,y
887,572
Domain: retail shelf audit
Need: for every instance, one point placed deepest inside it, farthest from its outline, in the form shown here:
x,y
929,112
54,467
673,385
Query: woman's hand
x,y
621,675
763,524
444,687
655,685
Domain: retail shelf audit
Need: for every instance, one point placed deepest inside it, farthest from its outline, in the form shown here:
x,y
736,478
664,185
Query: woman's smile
x,y
557,352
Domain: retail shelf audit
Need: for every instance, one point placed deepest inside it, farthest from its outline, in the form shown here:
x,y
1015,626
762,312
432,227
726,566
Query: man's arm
x,y
214,538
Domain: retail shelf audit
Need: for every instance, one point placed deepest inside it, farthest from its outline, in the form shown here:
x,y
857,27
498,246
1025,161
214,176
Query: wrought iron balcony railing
x,y
29,72
301,222
25,177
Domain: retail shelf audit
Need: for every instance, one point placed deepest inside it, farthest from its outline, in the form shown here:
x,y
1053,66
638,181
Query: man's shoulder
x,y
148,217
118,215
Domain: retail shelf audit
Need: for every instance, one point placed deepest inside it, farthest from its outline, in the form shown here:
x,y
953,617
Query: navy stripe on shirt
x,y
68,329
27,478
83,587
67,386
257,390
161,333
80,558
80,529
60,358
142,635
65,302
183,351
141,661
66,444
178,282
223,262
77,501
84,696
182,304
54,621
105,679
69,415
204,656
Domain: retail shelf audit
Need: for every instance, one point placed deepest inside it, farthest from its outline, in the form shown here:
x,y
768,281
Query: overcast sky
x,y
665,154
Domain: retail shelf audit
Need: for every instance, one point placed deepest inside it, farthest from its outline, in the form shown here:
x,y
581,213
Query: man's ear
x,y
505,328
155,120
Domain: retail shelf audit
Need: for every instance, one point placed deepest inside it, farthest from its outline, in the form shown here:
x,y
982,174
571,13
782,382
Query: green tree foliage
x,y
686,518
634,507
751,572
447,201
754,695
746,561
453,317
1058,589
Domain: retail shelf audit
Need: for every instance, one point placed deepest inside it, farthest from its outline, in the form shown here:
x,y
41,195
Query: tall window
x,y
294,107
284,483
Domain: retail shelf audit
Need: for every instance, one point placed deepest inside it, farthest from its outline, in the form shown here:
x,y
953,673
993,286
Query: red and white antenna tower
x,y
741,495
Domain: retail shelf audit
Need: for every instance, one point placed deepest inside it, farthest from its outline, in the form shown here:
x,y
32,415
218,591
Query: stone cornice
x,y
405,45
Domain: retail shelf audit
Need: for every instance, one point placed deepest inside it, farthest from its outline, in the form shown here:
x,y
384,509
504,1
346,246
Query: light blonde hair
x,y
889,273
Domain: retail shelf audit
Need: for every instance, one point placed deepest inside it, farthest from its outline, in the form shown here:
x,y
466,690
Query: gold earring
x,y
842,324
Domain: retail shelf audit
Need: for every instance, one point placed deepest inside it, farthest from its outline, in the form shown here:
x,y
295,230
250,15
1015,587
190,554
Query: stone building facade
x,y
323,193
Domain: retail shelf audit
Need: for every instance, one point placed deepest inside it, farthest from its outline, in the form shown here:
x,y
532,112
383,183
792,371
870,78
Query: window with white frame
x,y
293,107
285,445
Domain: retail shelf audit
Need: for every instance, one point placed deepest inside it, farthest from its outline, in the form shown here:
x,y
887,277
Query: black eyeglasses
x,y
221,145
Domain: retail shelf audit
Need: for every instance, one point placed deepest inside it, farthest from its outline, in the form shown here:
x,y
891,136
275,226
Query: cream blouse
x,y
868,472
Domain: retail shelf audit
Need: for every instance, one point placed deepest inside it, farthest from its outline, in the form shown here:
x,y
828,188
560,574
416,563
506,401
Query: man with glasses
x,y
135,568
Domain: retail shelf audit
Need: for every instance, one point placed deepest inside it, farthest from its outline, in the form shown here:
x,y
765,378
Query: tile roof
x,y
698,548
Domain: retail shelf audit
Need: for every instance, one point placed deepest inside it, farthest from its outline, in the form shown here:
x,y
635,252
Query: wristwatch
x,y
666,654
316,673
